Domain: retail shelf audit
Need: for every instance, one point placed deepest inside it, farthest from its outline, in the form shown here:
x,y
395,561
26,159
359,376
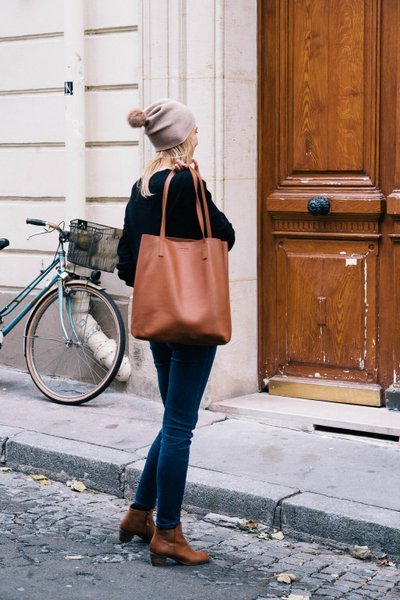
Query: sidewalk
x,y
302,482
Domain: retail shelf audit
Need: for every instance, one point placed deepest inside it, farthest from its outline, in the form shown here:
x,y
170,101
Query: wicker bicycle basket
x,y
93,246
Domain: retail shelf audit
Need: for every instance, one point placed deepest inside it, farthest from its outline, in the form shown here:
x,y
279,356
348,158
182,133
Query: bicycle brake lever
x,y
40,233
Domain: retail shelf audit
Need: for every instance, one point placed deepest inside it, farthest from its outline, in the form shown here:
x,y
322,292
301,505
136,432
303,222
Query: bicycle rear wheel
x,y
74,358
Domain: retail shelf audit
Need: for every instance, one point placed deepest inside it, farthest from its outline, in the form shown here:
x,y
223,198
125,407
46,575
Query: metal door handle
x,y
319,205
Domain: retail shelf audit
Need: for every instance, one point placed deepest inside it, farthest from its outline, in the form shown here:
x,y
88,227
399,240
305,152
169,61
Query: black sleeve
x,y
220,226
126,264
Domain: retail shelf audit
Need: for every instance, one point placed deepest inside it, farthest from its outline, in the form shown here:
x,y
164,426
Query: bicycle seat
x,y
4,243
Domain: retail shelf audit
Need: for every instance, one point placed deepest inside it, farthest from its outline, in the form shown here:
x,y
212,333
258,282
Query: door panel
x,y
326,299
328,90
300,284
345,290
328,60
325,73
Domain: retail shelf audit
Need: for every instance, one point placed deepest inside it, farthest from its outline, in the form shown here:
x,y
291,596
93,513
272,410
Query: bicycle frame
x,y
57,278
68,355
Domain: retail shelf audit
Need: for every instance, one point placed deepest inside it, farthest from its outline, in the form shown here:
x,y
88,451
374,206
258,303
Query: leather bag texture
x,y
181,291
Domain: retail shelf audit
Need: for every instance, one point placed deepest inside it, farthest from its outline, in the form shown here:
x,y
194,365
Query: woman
x,y
183,370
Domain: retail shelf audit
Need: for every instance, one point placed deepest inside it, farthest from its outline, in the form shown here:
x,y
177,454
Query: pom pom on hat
x,y
167,122
137,118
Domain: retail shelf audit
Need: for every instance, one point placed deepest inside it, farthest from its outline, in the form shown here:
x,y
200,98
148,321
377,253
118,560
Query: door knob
x,y
319,205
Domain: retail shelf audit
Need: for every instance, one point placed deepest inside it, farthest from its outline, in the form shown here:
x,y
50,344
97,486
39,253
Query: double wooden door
x,y
329,183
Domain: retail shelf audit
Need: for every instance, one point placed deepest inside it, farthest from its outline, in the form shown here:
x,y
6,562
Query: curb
x,y
101,469
343,521
225,494
288,509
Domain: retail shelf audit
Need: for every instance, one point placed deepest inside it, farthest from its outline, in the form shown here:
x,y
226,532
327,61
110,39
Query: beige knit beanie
x,y
167,122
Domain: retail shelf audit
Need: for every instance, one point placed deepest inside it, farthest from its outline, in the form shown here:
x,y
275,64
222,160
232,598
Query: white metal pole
x,y
74,90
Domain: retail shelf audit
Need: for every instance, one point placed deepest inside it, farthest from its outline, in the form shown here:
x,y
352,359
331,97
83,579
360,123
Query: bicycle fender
x,y
86,283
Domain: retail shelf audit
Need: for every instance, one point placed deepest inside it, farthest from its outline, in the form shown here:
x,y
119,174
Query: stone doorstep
x,y
309,415
116,472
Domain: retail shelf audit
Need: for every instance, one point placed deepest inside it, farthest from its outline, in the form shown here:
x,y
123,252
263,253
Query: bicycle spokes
x,y
74,346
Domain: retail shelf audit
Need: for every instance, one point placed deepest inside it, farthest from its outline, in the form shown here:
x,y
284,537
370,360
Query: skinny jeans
x,y
183,371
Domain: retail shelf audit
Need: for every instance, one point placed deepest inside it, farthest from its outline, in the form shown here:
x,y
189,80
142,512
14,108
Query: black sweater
x,y
143,215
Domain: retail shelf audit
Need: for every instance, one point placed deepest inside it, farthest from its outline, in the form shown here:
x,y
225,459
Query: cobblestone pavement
x,y
57,544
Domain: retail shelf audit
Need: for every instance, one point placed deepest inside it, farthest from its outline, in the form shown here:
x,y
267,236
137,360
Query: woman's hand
x,y
180,165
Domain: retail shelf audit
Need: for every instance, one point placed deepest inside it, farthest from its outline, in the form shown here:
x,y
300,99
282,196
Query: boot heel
x,y
124,536
157,561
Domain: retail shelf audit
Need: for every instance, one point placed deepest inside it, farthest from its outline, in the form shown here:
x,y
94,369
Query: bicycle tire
x,y
79,368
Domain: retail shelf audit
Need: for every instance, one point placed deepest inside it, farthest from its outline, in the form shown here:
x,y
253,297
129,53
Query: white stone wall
x,y
32,121
33,127
205,54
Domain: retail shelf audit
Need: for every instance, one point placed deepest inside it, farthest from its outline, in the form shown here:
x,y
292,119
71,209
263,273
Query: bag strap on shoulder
x,y
198,182
197,177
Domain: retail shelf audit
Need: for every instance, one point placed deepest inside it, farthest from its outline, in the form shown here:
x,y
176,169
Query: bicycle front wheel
x,y
74,348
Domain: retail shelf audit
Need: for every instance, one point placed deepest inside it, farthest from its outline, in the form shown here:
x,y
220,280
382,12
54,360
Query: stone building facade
x,y
63,156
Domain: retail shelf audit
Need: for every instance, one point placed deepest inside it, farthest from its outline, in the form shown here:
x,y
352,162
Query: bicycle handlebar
x,y
38,222
41,223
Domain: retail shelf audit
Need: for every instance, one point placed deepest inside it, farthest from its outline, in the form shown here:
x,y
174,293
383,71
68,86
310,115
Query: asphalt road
x,y
57,544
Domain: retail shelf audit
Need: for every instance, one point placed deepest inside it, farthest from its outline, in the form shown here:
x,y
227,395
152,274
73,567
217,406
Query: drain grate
x,y
365,434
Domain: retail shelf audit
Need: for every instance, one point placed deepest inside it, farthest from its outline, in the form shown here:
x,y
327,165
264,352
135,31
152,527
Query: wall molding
x,y
21,252
32,199
107,200
32,36
111,30
32,145
112,144
60,34
111,88
55,90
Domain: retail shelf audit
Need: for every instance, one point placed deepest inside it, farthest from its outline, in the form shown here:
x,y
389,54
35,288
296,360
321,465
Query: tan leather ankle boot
x,y
137,522
170,543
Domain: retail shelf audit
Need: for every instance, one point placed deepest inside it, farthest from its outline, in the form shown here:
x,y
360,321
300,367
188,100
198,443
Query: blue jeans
x,y
183,373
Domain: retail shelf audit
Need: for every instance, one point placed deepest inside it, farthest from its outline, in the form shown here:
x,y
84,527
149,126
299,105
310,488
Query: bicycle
x,y
74,339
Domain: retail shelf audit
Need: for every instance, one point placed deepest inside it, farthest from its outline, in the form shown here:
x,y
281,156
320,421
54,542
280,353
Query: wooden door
x,y
329,201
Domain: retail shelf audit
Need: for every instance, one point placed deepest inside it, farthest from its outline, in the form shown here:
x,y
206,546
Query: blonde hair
x,y
183,152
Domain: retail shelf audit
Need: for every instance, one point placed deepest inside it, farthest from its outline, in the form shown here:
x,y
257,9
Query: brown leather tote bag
x,y
181,291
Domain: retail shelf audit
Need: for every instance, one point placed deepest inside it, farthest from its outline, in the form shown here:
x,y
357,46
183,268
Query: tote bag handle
x,y
205,230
